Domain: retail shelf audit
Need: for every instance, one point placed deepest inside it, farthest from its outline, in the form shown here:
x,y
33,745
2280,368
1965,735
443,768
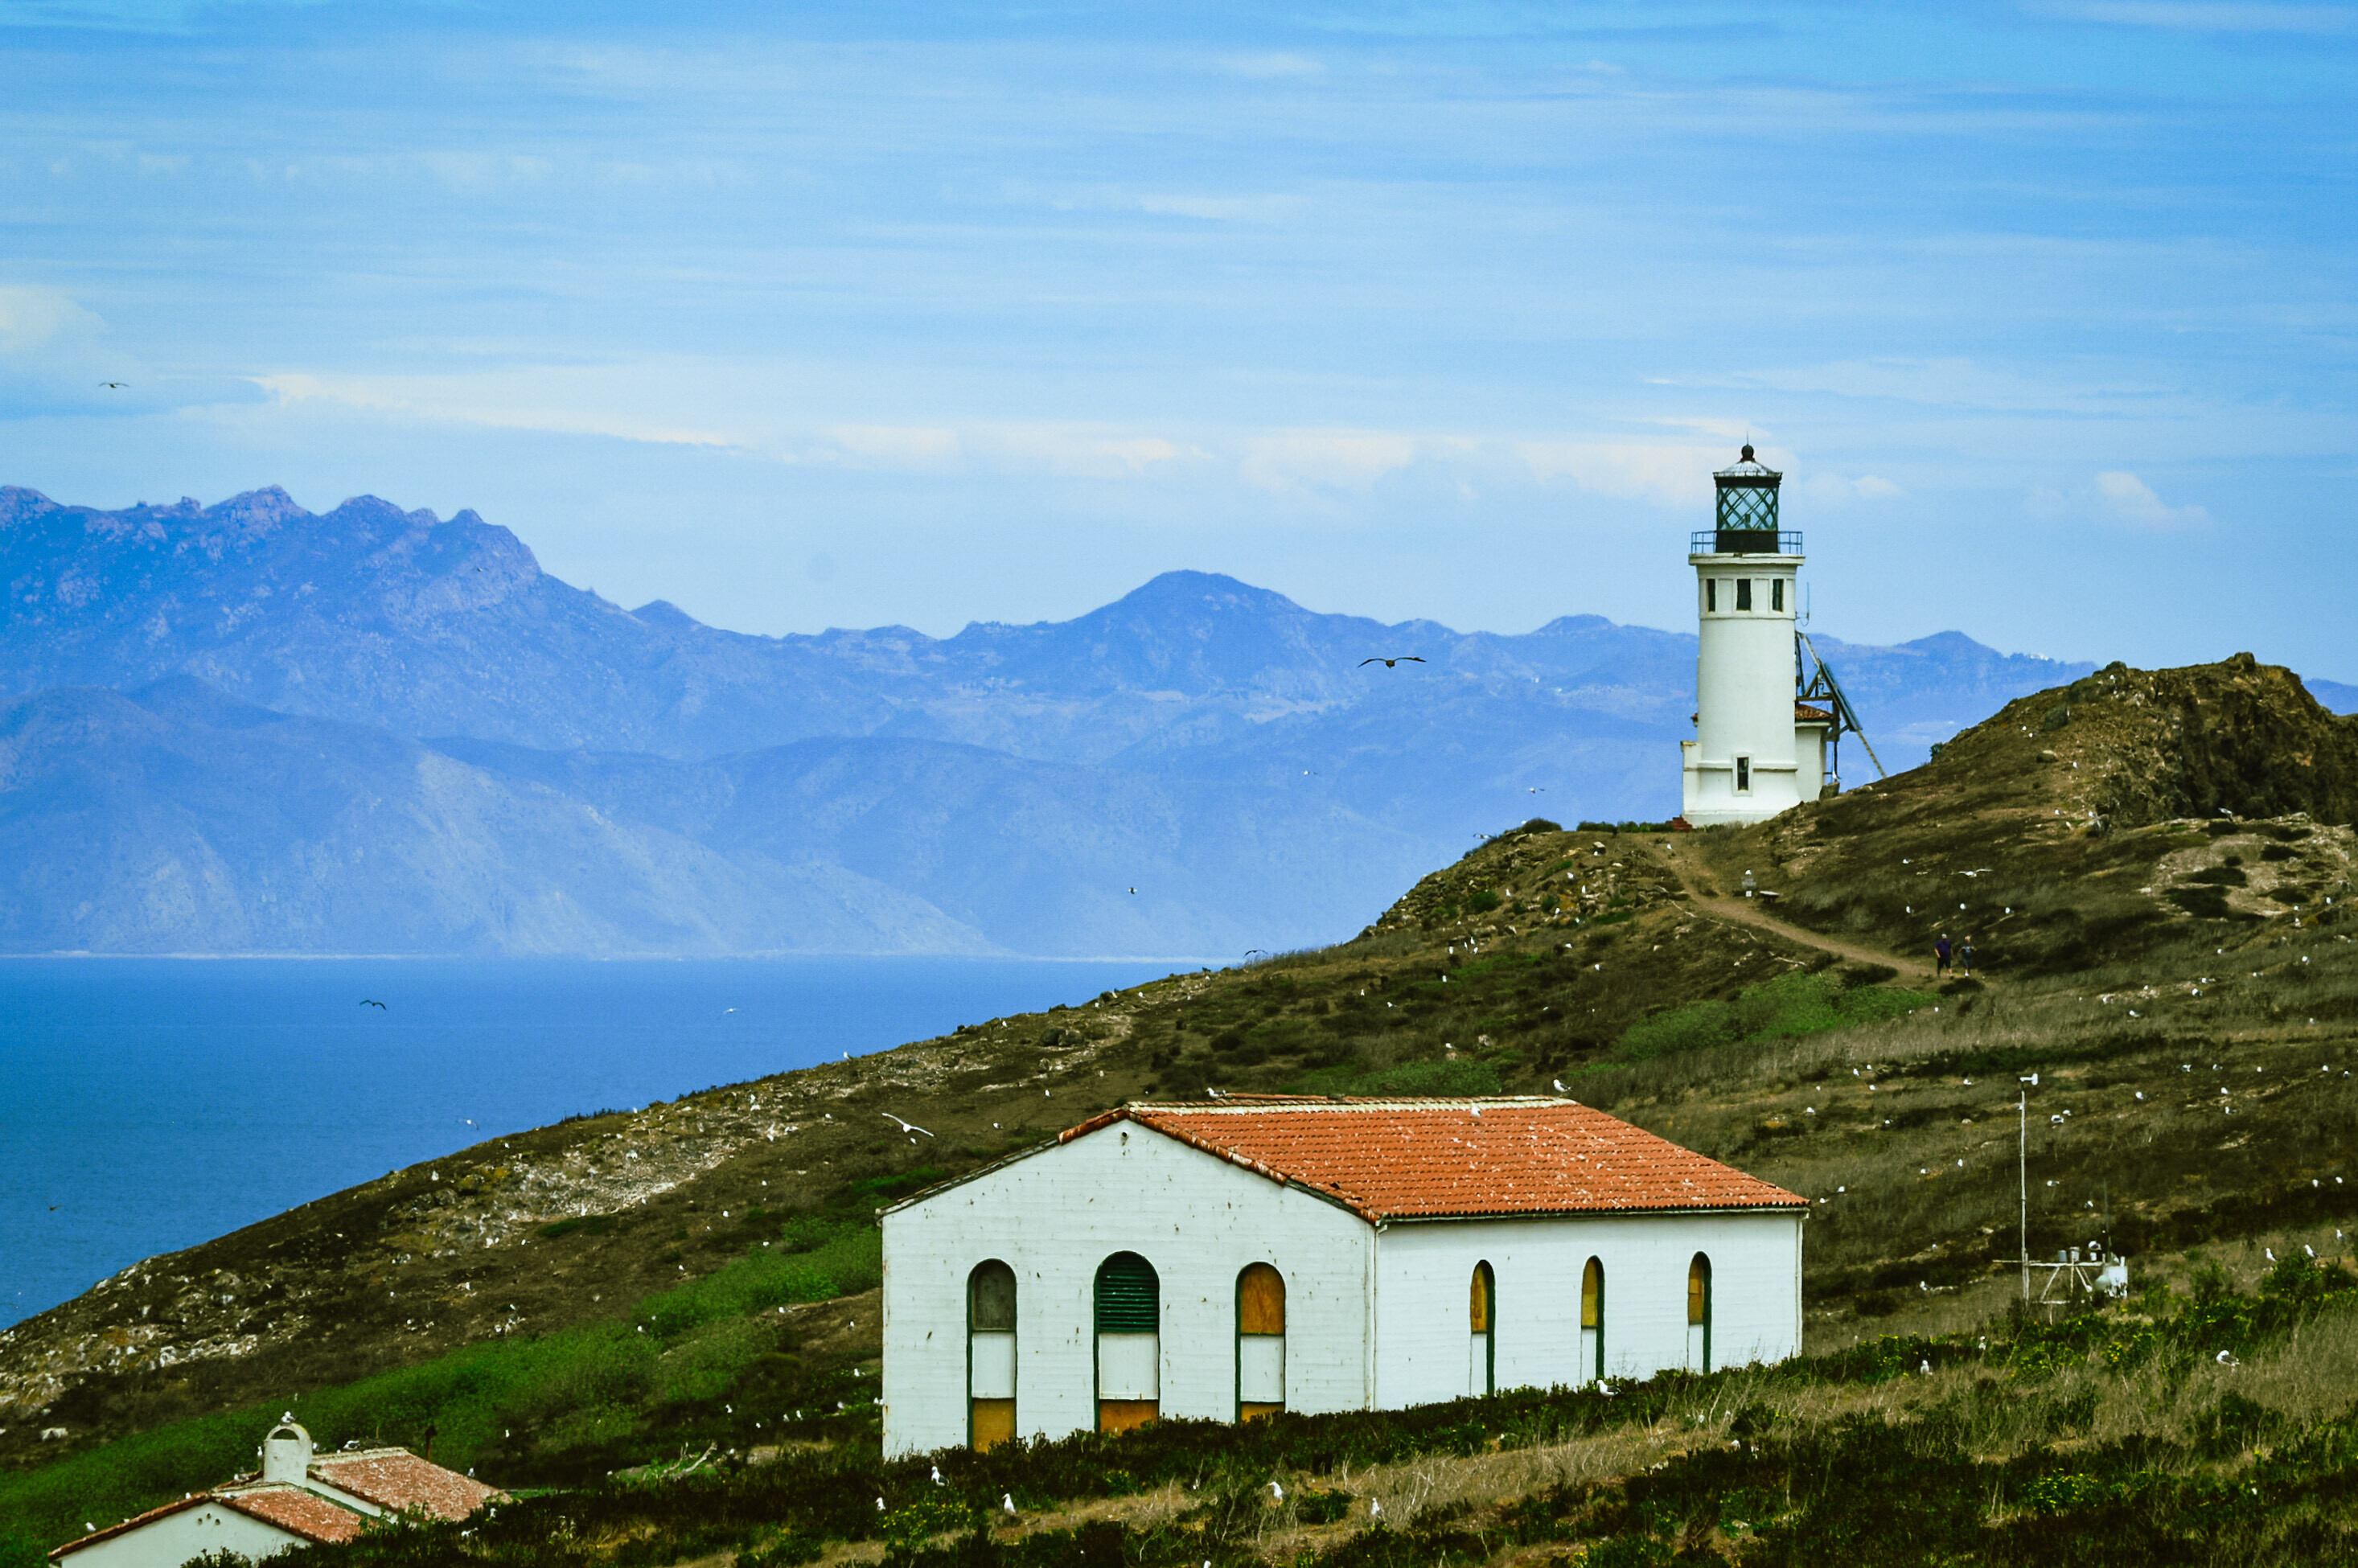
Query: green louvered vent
x,y
1130,1299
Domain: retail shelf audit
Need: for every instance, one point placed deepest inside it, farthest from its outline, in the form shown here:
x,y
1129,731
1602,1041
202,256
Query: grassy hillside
x,y
685,1281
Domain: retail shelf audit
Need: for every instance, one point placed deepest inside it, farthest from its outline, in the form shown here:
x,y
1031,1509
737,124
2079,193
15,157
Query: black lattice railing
x,y
1744,542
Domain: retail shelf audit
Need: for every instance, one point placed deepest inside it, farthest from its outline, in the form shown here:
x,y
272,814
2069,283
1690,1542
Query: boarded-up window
x,y
990,1354
1481,1364
1130,1341
1260,1342
1699,1313
1592,1320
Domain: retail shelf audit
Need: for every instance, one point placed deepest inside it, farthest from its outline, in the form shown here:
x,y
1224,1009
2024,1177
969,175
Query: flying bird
x,y
905,1126
114,383
1133,893
367,1002
1393,664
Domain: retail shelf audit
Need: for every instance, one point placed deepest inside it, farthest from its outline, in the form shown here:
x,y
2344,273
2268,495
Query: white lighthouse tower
x,y
1757,750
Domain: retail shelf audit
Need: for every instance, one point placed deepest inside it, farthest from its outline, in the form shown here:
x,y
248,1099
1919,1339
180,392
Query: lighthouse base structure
x,y
1707,786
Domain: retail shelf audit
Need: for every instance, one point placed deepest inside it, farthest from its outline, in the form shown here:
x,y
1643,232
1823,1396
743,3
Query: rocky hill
x,y
2194,1055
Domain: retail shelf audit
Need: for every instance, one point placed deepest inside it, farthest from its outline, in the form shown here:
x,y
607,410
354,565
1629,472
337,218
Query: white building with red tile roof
x,y
1226,1259
299,1497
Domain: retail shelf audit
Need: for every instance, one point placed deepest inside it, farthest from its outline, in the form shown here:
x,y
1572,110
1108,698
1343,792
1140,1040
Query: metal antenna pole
x,y
2022,1172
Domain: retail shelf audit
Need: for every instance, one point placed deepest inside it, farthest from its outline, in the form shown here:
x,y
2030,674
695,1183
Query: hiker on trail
x,y
1941,956
1965,957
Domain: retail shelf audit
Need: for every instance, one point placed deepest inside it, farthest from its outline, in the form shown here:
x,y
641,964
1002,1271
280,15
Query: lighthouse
x,y
1758,749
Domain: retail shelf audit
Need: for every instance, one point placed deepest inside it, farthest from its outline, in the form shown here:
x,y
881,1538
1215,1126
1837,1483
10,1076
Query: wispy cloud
x,y
1331,460
2132,500
1663,474
2194,17
448,399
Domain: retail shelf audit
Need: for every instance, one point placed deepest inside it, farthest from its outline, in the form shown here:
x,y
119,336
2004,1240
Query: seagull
x,y
1560,1089
1133,893
366,1001
1392,663
1375,1509
2271,1252
1251,951
905,1126
1478,1110
938,1474
1538,789
467,1120
1007,1502
1278,1490
114,383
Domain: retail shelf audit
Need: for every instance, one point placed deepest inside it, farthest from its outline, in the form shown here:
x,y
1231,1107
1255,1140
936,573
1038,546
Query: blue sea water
x,y
149,1104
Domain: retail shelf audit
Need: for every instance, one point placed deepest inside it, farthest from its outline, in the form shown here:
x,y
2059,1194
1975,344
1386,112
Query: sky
x,y
822,315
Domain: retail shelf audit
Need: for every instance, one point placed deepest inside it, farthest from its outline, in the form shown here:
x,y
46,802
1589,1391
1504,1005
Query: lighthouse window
x,y
1710,594
1744,593
1743,775
1777,594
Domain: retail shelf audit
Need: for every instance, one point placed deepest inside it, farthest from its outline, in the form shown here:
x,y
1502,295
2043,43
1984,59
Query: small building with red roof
x,y
299,1497
1226,1259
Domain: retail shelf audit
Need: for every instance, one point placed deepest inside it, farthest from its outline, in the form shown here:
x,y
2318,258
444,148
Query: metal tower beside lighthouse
x,y
1758,749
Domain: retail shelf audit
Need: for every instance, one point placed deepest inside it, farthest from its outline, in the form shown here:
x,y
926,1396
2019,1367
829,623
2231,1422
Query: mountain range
x,y
248,728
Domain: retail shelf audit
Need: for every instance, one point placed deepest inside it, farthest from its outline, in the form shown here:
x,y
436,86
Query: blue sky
x,y
824,316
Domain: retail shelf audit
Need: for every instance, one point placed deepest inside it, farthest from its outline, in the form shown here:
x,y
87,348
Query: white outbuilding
x,y
1228,1259
297,1498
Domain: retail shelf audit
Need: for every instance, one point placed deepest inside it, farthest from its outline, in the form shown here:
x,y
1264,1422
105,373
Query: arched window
x,y
989,1354
1129,1343
1592,1321
1482,1360
1260,1341
1699,1313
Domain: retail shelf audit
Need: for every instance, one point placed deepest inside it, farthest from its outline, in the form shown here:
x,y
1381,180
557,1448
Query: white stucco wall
x,y
1423,1271
171,1541
1054,1218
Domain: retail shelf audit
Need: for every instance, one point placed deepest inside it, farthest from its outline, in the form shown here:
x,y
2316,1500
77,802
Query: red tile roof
x,y
1433,1159
399,1482
293,1510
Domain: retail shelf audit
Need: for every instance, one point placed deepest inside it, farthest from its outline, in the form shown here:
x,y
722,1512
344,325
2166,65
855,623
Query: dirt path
x,y
1692,870
1750,913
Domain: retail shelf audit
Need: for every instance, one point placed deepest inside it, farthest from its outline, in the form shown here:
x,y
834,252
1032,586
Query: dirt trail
x,y
1692,869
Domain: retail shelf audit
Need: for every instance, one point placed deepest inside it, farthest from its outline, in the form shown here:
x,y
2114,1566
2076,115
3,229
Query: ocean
x,y
148,1104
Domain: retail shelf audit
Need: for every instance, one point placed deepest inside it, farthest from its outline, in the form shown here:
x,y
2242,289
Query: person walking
x,y
1941,956
1965,958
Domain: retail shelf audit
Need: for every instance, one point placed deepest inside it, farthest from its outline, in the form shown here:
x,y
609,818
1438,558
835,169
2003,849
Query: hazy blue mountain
x,y
2333,694
178,819
404,621
595,780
